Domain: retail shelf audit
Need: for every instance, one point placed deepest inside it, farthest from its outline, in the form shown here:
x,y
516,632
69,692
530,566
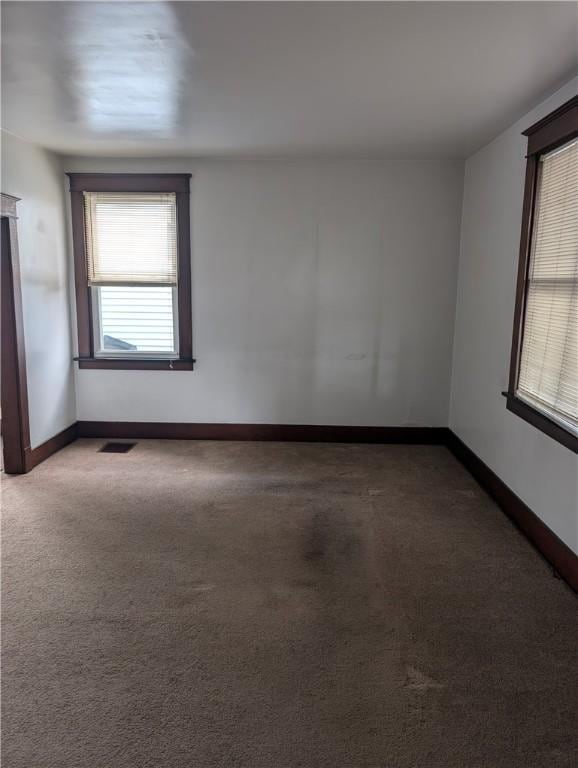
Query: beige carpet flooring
x,y
272,605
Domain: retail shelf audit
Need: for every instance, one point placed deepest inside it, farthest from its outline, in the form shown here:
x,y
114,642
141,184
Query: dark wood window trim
x,y
179,183
555,129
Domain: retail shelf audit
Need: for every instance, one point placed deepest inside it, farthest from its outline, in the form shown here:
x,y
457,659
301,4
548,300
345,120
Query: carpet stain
x,y
419,681
317,539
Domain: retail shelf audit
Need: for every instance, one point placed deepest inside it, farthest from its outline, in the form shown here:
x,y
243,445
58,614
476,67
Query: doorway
x,y
14,422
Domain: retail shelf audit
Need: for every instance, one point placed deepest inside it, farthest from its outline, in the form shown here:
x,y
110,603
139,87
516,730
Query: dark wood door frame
x,y
13,381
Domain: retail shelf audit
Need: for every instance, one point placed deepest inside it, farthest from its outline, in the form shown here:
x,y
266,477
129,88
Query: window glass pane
x,y
136,319
548,366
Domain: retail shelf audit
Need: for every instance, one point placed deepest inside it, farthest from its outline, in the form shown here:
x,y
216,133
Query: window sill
x,y
142,364
541,422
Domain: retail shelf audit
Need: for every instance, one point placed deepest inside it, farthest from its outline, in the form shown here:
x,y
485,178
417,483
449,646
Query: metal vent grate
x,y
116,447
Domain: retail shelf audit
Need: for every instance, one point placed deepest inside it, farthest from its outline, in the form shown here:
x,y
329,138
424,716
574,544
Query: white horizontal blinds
x,y
131,238
549,358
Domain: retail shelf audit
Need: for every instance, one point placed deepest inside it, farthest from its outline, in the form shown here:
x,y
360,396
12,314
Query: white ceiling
x,y
276,78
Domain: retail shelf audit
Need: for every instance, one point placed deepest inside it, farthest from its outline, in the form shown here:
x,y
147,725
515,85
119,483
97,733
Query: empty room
x,y
289,384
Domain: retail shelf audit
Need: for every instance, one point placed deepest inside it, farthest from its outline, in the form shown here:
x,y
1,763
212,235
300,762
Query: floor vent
x,y
116,447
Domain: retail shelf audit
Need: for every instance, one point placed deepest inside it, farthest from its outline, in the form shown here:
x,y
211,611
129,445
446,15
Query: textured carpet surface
x,y
277,605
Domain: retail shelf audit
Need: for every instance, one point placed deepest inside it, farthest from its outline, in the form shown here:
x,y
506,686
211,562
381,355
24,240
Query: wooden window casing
x,y
130,183
550,133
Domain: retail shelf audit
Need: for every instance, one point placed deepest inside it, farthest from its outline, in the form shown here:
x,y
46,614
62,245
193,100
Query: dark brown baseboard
x,y
277,432
34,456
559,555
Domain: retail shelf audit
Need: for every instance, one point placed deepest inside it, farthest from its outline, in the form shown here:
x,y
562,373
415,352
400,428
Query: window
x,y
543,385
132,270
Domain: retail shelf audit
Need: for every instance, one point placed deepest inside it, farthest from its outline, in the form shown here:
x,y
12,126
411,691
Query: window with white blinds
x,y
132,262
548,370
131,238
131,253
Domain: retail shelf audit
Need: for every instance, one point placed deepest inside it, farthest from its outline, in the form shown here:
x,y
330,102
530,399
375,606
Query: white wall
x,y
541,471
35,175
323,293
